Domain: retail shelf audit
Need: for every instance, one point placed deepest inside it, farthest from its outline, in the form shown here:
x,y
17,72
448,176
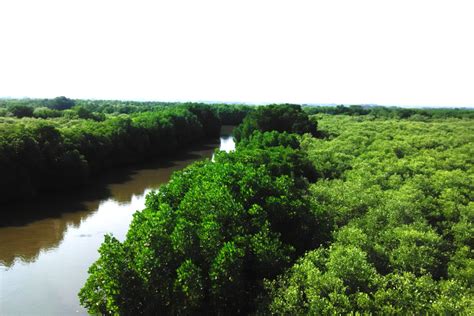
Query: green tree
x,y
61,103
21,110
278,117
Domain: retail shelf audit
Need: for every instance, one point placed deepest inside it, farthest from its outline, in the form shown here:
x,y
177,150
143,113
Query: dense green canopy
x,y
398,198
362,210
208,238
376,217
38,155
276,117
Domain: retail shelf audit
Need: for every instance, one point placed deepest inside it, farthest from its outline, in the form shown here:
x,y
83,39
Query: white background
x,y
352,52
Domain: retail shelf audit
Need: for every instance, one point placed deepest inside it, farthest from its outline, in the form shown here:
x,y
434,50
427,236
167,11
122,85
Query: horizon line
x,y
247,102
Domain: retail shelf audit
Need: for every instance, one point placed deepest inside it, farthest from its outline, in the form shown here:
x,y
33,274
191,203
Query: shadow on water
x,y
26,229
101,188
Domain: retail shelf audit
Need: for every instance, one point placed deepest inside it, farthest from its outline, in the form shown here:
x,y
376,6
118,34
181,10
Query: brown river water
x,y
44,258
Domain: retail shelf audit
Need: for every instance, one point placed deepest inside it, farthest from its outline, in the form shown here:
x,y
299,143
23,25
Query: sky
x,y
344,52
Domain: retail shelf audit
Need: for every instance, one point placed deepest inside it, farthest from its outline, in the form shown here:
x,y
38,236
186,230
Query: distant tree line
x,y
418,114
98,110
229,114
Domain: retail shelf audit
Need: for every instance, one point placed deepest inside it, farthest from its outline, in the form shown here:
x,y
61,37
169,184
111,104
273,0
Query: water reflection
x,y
44,257
40,226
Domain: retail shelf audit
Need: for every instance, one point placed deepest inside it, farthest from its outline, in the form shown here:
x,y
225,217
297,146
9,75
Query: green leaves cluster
x,y
398,198
375,218
98,110
207,240
38,155
276,117
424,114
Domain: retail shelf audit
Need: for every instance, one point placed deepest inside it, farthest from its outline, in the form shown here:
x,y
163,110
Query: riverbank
x,y
44,261
46,156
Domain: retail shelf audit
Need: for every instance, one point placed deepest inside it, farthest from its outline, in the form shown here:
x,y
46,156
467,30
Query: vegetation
x,y
282,118
39,155
318,211
59,144
376,217
229,114
398,198
423,114
208,238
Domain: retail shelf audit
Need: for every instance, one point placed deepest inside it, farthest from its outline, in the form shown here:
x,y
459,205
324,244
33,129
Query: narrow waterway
x,y
44,258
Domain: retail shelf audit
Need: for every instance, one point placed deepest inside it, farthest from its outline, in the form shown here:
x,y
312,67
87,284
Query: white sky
x,y
352,52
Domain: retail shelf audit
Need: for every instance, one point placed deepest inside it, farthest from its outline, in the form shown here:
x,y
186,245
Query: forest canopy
x,y
374,215
276,117
319,210
68,142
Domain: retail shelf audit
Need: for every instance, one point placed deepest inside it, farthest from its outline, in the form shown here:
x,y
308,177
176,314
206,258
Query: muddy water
x,y
44,259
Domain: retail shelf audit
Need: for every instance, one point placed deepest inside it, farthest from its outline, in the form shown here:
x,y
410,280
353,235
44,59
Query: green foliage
x,y
21,110
232,114
189,287
397,196
316,286
277,117
207,117
425,114
374,218
209,237
39,155
307,289
349,263
269,139
45,113
407,294
413,249
61,103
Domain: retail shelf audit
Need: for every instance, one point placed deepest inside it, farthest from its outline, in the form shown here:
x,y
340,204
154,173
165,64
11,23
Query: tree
x,y
21,110
278,117
61,103
226,225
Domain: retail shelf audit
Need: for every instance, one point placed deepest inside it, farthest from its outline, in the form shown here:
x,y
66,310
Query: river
x,y
44,258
